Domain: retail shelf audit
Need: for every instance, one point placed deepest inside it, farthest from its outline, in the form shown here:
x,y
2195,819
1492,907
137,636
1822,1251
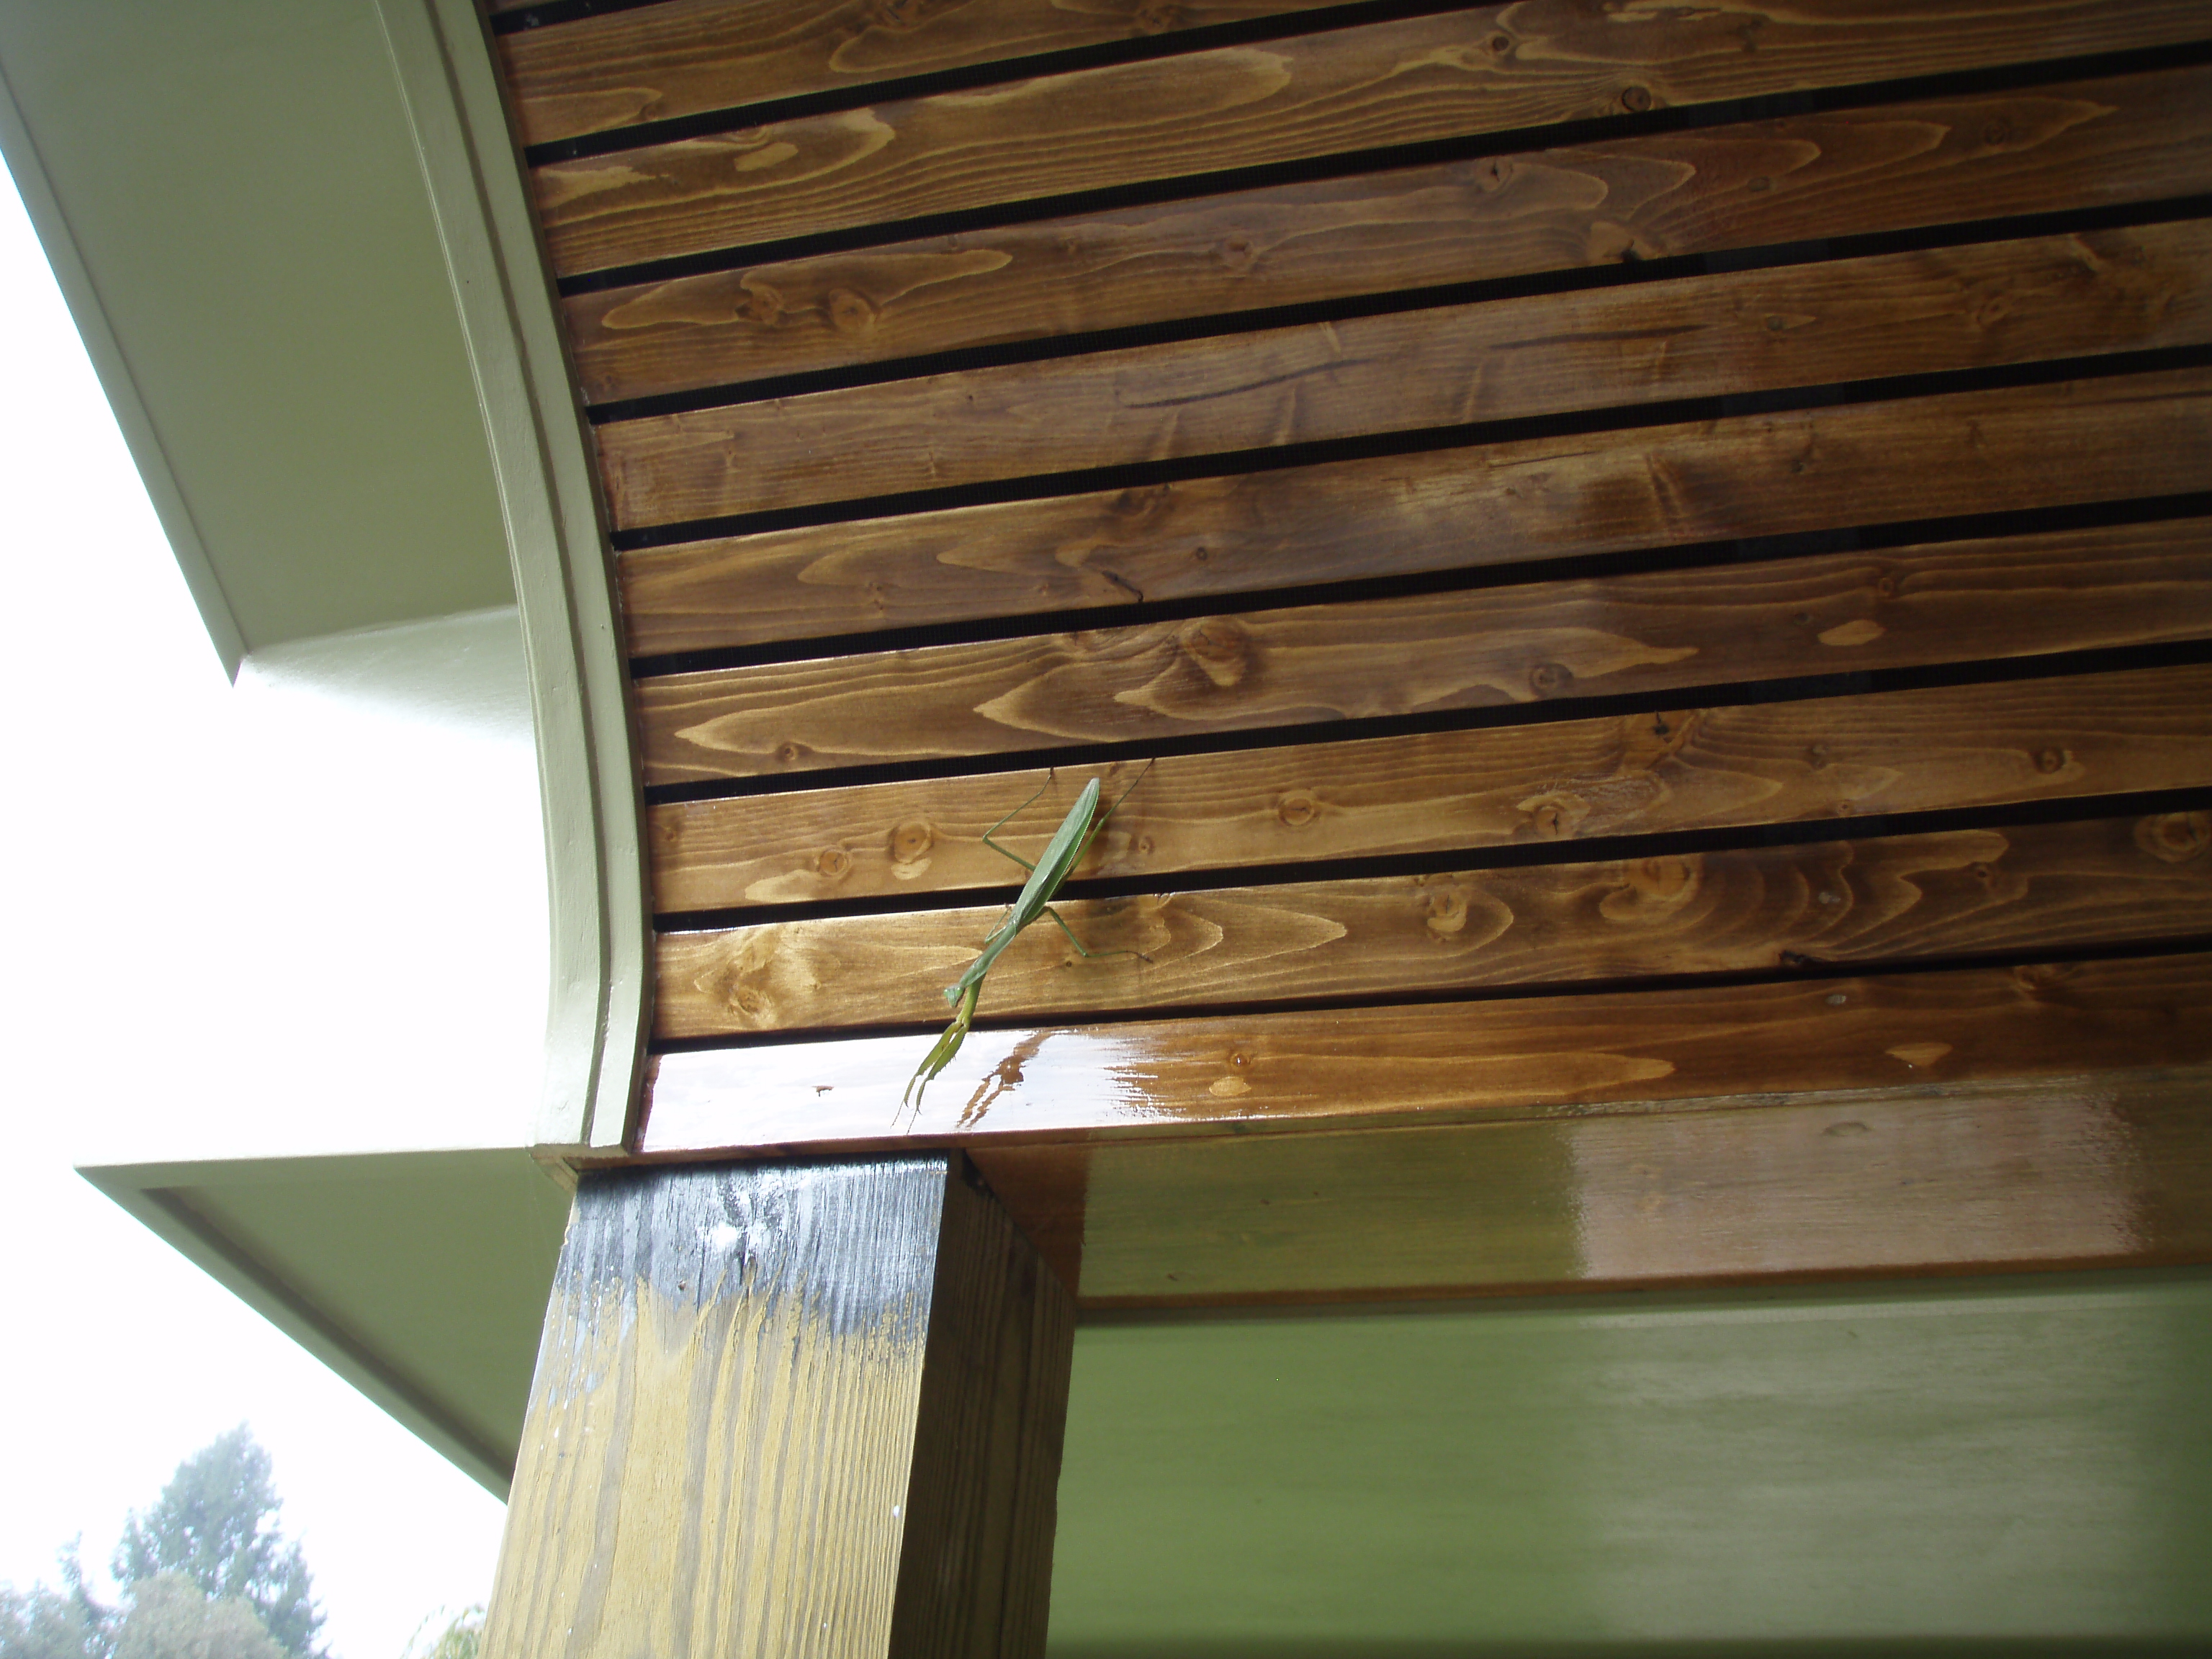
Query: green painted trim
x,y
81,294
149,1192
549,494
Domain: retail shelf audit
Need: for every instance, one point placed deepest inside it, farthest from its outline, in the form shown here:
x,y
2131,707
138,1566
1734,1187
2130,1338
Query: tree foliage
x,y
172,1618
214,1526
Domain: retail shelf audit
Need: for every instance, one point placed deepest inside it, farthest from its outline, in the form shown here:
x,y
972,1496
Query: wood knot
x,y
911,842
1444,911
1636,100
1548,679
2035,976
2174,837
791,751
1650,885
849,314
1555,816
1157,16
834,864
1298,809
1235,252
763,307
1220,646
2052,760
1499,45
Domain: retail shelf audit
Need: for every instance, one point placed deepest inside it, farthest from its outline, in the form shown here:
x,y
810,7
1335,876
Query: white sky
x,y
139,913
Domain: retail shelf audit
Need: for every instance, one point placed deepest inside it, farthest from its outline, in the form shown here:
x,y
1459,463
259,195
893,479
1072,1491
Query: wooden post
x,y
789,1409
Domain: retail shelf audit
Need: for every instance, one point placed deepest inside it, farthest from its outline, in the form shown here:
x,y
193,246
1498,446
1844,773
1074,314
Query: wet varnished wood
x,y
786,1409
1487,71
1846,172
2069,1172
2103,440
1849,319
1676,770
2034,888
1497,1060
688,57
1541,642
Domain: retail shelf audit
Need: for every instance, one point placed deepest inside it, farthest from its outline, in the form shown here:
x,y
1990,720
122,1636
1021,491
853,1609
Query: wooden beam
x,y
1488,505
2108,1171
1342,91
1973,307
789,1409
1657,196
1652,633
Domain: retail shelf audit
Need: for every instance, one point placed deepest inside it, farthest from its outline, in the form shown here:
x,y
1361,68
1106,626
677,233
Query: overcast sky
x,y
128,928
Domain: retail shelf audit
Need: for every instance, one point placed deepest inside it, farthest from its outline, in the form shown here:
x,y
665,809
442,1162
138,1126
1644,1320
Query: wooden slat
x,y
1655,633
1493,69
2050,888
688,56
1851,171
1686,768
1506,503
1512,1058
2110,1172
771,1400
1849,319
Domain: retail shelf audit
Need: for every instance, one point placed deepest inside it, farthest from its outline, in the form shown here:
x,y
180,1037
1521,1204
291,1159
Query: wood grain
x,y
1489,1060
1746,476
1652,633
775,1400
2068,1172
1844,173
1678,770
2051,888
1491,70
1699,337
688,56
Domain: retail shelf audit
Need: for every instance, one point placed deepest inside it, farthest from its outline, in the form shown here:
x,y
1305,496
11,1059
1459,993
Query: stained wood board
x,y
1930,311
1655,634
1485,505
2020,890
1687,769
1657,196
1337,92
1508,1058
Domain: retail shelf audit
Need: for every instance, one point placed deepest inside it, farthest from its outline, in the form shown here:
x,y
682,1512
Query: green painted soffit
x,y
1949,1468
247,212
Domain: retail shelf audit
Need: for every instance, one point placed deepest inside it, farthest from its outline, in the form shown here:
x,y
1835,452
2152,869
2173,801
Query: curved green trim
x,y
596,1024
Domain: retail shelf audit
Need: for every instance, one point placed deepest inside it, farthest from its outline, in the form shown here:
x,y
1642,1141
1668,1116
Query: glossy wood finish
x,y
1660,196
1496,504
1713,767
1489,648
1509,1058
1491,70
688,56
2115,1171
2045,888
1702,336
789,1409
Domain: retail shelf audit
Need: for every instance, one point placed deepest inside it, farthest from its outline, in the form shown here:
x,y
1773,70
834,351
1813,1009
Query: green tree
x,y
459,1640
171,1618
43,1623
214,1526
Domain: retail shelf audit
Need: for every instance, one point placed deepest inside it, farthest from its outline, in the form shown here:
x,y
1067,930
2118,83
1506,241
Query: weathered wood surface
x,y
691,57
1699,337
2032,889
1651,633
789,1409
2113,1171
1507,503
1838,173
1509,1058
1493,69
1677,769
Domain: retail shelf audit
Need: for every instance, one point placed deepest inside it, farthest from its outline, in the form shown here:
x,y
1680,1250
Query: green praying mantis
x,y
1061,854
